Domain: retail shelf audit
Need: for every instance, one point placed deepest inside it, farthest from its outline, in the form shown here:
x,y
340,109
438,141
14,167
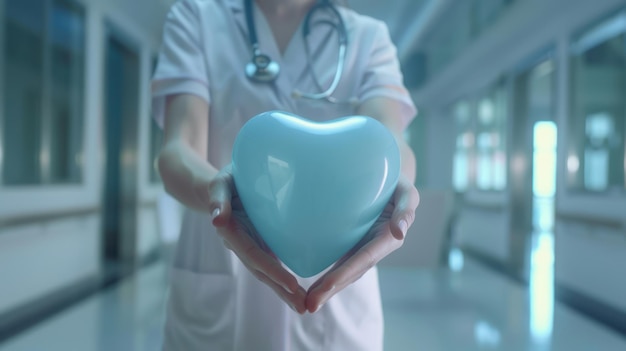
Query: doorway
x,y
533,159
121,128
533,190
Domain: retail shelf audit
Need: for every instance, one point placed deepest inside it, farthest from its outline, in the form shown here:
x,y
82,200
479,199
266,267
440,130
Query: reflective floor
x,y
469,308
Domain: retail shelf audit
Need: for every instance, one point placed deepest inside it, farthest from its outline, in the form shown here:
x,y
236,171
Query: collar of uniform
x,y
236,6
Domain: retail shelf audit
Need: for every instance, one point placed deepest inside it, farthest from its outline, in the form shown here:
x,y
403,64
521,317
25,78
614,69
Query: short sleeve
x,y
383,76
181,65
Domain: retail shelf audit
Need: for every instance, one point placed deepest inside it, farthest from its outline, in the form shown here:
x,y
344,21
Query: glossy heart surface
x,y
313,190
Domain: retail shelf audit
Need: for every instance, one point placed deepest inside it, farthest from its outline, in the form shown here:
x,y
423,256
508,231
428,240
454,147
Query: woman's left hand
x,y
387,235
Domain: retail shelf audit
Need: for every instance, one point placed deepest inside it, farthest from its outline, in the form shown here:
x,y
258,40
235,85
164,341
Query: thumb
x,y
219,199
407,200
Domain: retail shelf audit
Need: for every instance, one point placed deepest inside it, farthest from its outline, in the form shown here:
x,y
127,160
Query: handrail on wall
x,y
492,207
58,215
45,217
589,220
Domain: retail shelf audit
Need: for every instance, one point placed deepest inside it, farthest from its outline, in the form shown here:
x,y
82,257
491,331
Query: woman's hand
x,y
387,235
240,236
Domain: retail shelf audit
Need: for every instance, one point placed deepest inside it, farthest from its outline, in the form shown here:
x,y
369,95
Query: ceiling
x,y
405,18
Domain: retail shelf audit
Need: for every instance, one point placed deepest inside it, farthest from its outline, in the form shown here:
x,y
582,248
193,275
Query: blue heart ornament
x,y
313,190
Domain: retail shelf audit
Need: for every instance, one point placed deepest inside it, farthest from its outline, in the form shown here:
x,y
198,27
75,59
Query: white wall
x,y
426,238
591,259
439,145
37,258
485,231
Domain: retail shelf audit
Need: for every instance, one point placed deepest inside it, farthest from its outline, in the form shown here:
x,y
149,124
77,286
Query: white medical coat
x,y
214,303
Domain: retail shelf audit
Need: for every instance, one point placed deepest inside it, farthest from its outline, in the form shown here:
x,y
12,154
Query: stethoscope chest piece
x,y
262,69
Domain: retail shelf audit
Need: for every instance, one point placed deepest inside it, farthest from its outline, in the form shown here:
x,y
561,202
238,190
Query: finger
x,y
220,199
239,215
271,267
406,201
351,270
253,256
295,301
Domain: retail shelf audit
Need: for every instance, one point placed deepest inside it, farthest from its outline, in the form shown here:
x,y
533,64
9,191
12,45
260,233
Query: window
x,y
491,140
595,160
544,174
462,176
480,156
43,92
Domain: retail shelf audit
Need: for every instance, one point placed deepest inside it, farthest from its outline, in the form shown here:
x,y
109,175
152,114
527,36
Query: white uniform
x,y
214,303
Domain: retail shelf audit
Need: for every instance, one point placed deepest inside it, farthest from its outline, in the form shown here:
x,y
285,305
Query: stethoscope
x,y
263,69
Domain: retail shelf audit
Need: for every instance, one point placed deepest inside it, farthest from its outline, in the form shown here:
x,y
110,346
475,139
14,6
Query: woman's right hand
x,y
240,236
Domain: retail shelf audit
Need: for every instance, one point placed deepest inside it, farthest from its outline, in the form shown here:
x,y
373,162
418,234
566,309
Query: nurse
x,y
227,292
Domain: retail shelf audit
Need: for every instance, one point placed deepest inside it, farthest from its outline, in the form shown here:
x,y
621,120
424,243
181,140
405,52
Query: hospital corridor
x,y
514,112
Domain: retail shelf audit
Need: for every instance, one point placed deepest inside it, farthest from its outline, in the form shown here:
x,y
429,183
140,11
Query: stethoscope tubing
x,y
306,29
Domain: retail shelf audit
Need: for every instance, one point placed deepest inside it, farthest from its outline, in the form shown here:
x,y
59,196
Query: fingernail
x,y
215,213
403,226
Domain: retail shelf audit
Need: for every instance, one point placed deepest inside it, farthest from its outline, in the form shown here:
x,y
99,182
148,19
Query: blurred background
x,y
520,239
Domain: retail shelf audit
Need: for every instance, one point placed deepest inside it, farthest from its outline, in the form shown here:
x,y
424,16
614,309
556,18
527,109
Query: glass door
x,y
121,122
533,191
